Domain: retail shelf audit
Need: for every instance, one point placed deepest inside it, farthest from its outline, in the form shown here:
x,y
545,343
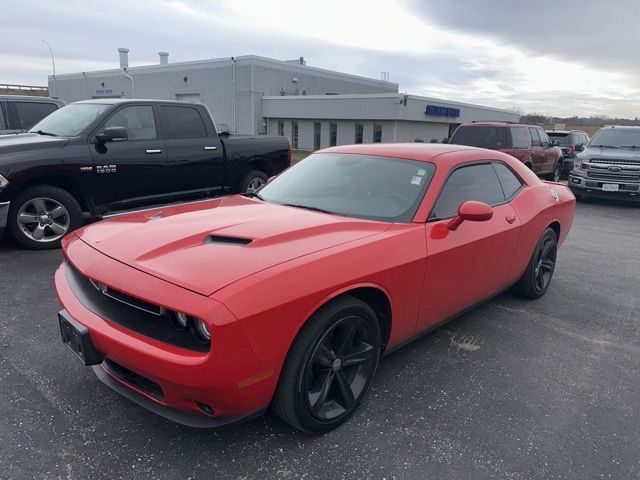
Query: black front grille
x,y
615,176
127,312
134,379
607,161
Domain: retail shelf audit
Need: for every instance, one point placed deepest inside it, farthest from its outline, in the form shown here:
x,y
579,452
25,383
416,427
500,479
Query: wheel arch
x,y
555,226
63,182
258,162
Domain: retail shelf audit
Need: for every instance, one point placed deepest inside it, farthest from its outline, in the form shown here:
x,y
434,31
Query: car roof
x,y
412,151
30,98
488,123
565,131
114,101
619,127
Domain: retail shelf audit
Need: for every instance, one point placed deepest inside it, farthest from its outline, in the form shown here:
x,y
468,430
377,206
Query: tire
x,y
556,175
44,211
316,359
253,181
537,277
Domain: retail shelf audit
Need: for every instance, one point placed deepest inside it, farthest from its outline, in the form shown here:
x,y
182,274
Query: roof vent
x,y
164,57
222,240
124,57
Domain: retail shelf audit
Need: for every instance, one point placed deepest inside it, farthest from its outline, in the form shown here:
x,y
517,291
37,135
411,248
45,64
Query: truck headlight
x,y
3,182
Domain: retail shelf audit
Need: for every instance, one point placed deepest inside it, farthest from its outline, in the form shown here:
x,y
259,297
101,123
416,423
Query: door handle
x,y
153,150
210,148
510,217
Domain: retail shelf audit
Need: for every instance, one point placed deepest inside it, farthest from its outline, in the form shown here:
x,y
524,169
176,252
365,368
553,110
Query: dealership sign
x,y
437,111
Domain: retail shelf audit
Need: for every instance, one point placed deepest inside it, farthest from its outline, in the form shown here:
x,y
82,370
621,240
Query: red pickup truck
x,y
528,143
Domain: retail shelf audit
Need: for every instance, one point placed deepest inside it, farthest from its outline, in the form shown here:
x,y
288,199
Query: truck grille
x,y
622,177
131,313
607,161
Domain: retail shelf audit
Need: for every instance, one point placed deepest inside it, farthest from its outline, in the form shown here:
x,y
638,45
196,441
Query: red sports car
x,y
210,312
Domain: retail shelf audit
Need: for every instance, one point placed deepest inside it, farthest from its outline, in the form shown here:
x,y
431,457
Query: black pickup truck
x,y
100,156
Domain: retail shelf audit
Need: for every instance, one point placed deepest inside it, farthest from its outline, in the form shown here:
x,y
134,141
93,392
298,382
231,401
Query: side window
x,y
138,120
535,137
510,183
475,182
544,138
182,122
3,122
30,113
359,130
520,137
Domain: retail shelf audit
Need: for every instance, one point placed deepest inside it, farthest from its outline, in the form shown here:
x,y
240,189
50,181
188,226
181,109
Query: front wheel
x,y
537,277
40,216
329,367
253,181
557,172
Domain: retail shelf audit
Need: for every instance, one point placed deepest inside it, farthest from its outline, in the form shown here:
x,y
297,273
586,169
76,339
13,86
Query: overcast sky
x,y
559,57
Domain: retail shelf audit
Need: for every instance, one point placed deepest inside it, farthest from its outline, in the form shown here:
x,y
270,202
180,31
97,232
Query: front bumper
x,y
585,187
4,213
200,389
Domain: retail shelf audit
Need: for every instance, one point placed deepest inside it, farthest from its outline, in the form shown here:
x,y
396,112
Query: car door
x,y
550,151
133,170
472,263
538,155
195,159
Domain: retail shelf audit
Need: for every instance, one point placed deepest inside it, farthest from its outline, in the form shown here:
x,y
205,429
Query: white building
x,y
313,107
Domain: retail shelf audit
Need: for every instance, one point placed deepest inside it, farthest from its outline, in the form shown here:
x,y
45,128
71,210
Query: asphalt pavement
x,y
512,390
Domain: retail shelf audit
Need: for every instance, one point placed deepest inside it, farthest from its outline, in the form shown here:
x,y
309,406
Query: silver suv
x,y
609,166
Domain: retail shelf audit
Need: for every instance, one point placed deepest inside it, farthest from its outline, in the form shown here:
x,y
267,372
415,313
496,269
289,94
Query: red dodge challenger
x,y
209,312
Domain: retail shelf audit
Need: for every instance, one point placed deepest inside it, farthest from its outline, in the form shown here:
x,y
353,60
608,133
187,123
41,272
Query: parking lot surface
x,y
514,389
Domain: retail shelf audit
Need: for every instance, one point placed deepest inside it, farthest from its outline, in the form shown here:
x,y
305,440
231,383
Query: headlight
x,y
3,182
201,331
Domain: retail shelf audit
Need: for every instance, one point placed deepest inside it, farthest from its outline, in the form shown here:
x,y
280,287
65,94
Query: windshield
x,y
562,138
484,137
354,185
616,138
70,120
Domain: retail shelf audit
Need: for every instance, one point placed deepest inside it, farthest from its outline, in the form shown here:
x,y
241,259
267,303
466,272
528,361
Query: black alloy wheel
x,y
537,277
329,367
339,368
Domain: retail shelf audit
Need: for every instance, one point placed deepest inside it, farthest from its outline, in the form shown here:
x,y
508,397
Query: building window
x,y
333,134
359,129
317,130
280,128
377,132
294,135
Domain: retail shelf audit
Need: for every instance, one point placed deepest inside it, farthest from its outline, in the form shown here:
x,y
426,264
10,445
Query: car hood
x,y
610,153
27,142
205,246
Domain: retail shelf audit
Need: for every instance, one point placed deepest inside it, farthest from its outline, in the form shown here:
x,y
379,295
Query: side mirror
x,y
472,211
579,148
112,134
555,143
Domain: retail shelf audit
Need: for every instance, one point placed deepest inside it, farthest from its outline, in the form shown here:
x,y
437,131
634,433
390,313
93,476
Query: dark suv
x,y
18,113
528,143
570,142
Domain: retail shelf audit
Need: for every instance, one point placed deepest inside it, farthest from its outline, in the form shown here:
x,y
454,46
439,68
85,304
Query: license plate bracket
x,y
76,337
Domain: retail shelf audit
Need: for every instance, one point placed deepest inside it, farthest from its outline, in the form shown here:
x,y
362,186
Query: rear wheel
x,y
537,277
253,181
40,216
329,367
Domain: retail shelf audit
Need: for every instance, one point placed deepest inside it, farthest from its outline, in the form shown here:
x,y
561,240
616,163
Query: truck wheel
x,y
40,216
557,172
253,181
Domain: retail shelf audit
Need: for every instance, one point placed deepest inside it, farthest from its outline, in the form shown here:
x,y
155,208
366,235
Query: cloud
x,y
490,53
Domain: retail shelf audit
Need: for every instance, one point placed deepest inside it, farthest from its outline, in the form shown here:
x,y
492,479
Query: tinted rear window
x,y
30,113
520,137
485,137
562,138
182,122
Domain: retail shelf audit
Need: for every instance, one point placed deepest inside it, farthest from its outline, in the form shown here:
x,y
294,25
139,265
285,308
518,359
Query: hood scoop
x,y
223,240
